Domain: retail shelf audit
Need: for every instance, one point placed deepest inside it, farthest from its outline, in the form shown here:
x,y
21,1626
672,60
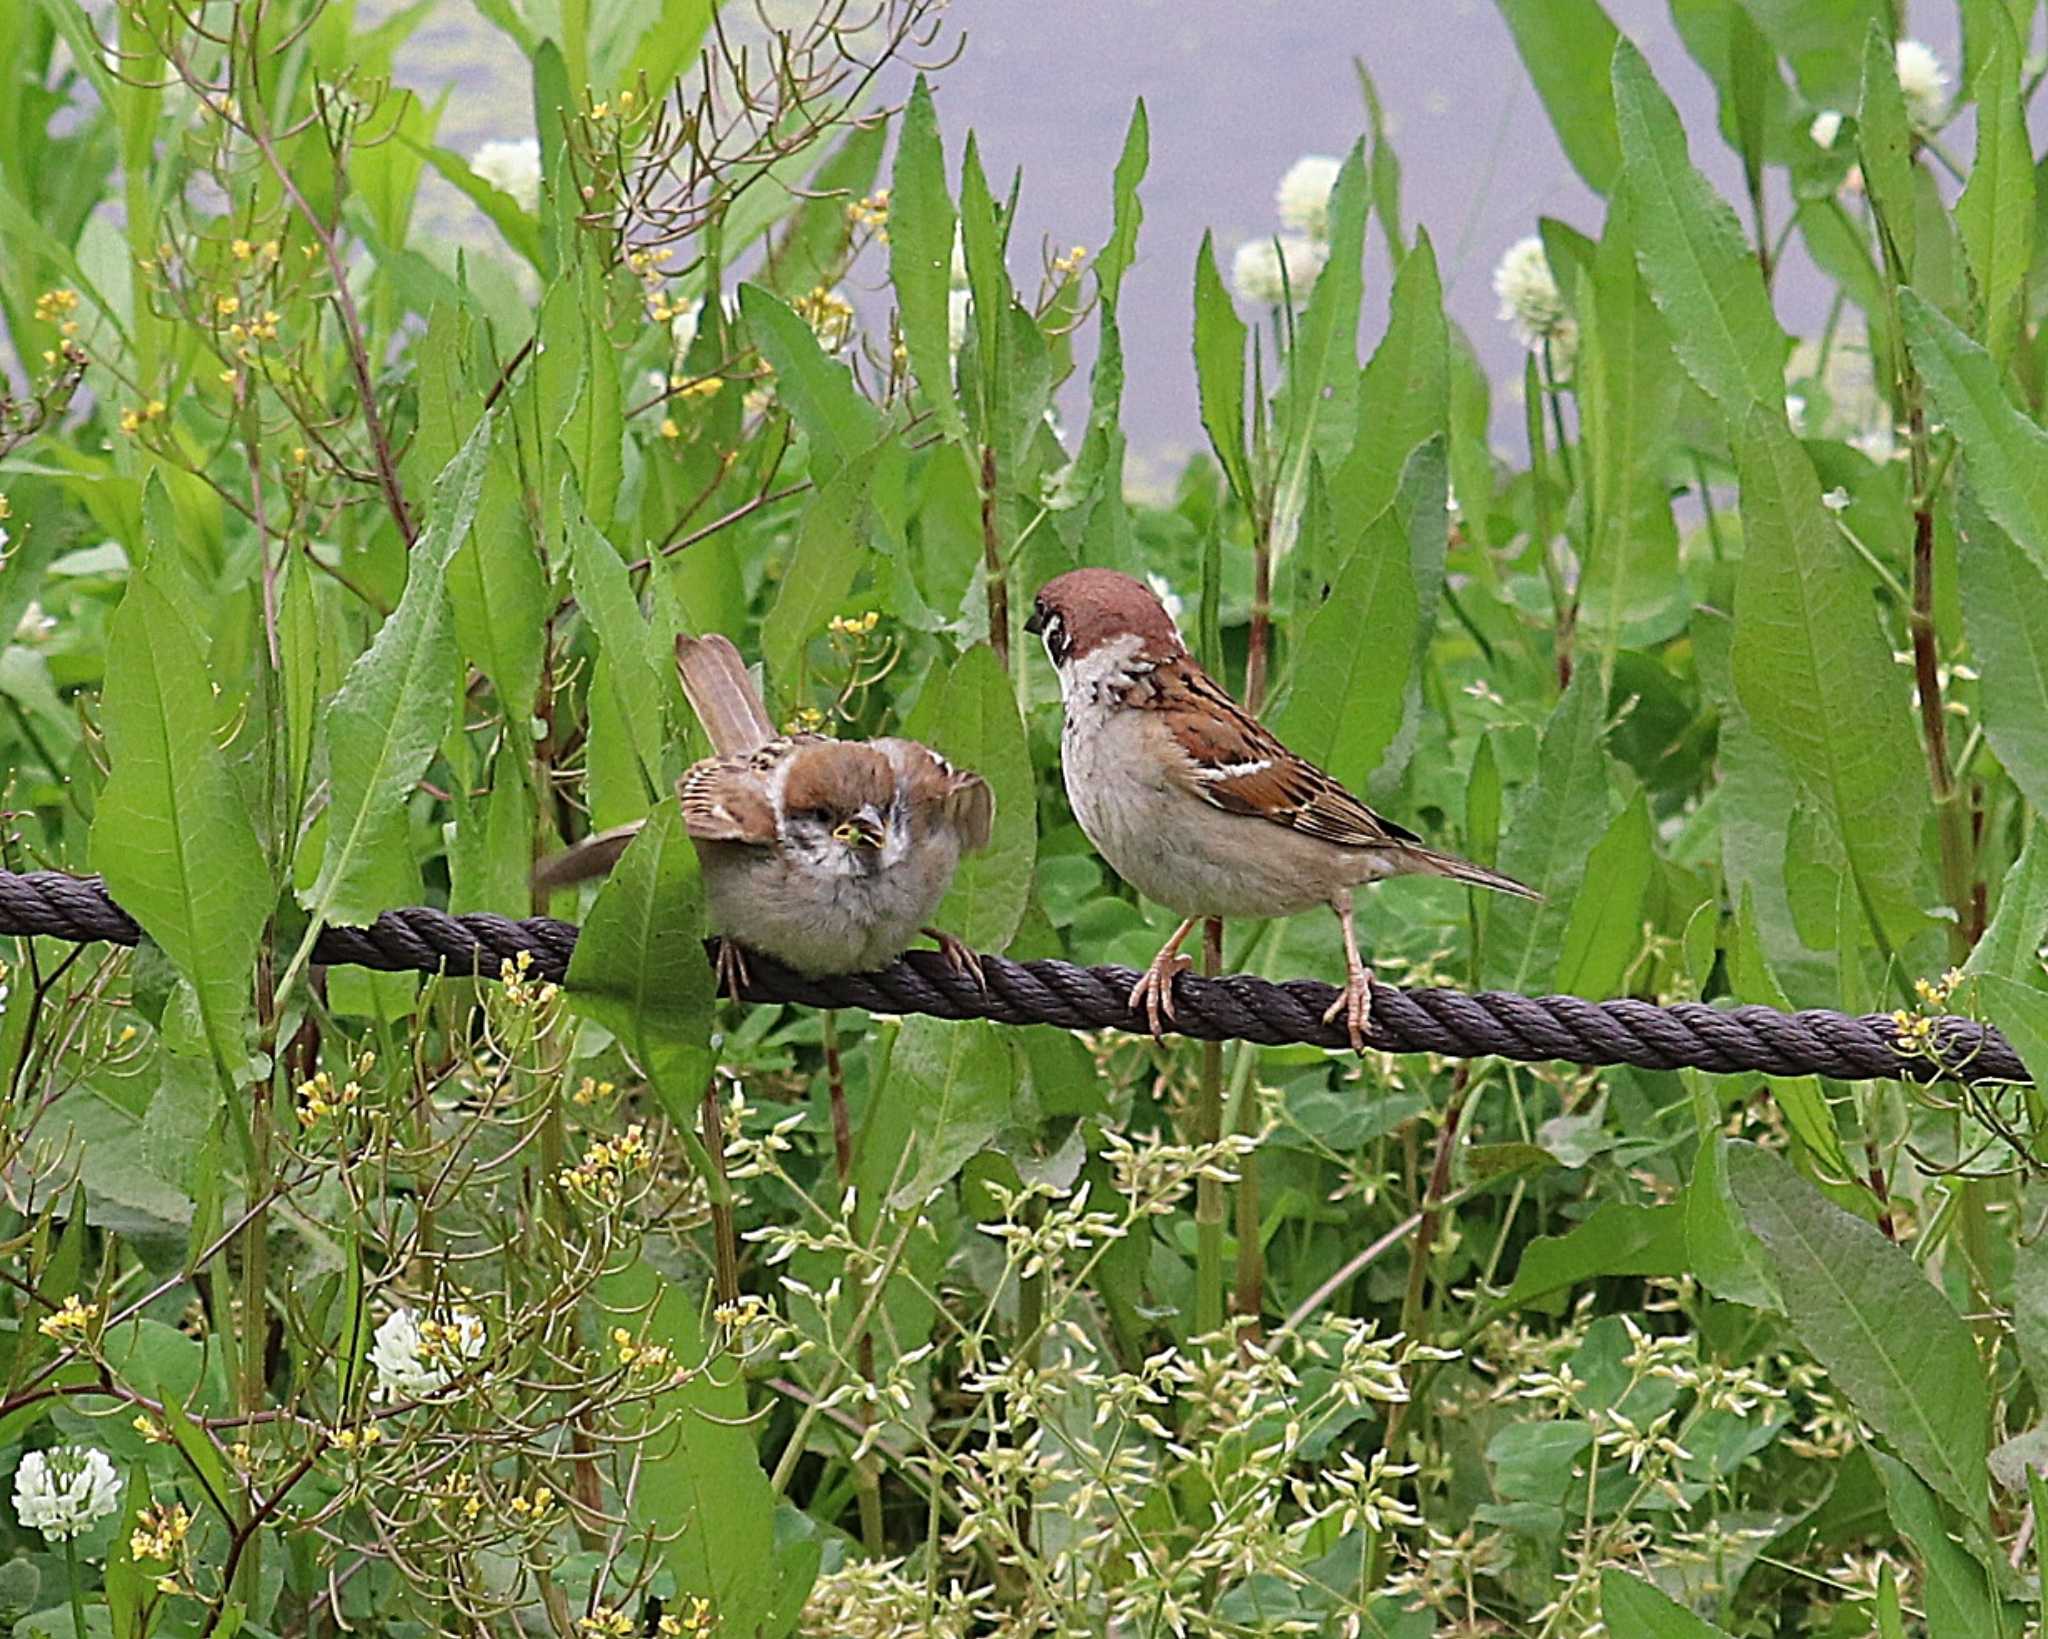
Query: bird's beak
x,y
1034,623
864,830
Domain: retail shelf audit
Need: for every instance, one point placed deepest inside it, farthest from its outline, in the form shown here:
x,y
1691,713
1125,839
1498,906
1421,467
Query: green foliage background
x,y
343,569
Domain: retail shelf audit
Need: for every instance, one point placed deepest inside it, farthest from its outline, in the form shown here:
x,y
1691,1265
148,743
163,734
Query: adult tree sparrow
x,y
828,855
1193,802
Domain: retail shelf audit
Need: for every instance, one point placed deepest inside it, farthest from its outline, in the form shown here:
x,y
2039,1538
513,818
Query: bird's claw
x,y
960,956
1354,1001
1153,993
731,968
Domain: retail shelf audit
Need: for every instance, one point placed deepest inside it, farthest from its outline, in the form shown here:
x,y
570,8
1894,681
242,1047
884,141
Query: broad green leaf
x,y
2005,454
1404,394
518,228
2021,1013
969,716
1615,1240
1815,674
1753,93
701,1493
639,968
498,591
2005,611
171,834
831,549
1996,211
389,718
1885,141
1606,927
1566,46
1823,41
670,43
1545,846
1804,1105
1219,370
957,1078
840,424
1702,272
2011,946
1959,1602
921,223
1892,1343
2030,1300
1629,1605
1719,1247
490,855
1127,213
1629,390
604,593
593,431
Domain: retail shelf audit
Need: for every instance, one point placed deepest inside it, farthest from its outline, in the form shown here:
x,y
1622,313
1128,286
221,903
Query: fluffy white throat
x,y
1087,682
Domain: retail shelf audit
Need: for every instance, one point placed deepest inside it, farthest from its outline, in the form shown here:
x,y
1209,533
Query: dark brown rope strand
x,y
1453,1023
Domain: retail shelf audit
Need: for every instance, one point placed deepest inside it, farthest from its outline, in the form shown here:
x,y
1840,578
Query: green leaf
x,y
1566,46
2011,946
593,431
840,424
1719,1247
1219,370
1996,211
1894,1346
1702,272
498,591
2005,454
2021,1013
1126,212
1959,1602
1545,846
831,550
1605,932
604,592
1885,141
1804,1105
2005,611
2030,1306
1616,1240
1815,674
701,1493
171,834
519,230
391,714
1404,394
1629,1605
969,716
957,1079
1629,390
921,224
639,968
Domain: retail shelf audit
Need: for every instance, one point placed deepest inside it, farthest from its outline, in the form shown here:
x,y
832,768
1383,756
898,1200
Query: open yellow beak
x,y
859,833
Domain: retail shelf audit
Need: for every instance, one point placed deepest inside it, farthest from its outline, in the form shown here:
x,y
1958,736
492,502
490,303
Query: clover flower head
x,y
1923,81
1303,196
62,1491
1269,272
1531,302
417,1355
512,168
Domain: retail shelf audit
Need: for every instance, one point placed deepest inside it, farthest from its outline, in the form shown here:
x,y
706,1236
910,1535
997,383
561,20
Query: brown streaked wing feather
x,y
725,799
1236,764
722,694
962,795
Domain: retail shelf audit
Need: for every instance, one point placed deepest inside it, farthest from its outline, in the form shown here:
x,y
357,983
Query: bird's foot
x,y
960,956
1354,1001
1153,993
731,968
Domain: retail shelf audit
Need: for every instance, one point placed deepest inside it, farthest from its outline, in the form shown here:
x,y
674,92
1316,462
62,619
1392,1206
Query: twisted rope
x,y
1238,1007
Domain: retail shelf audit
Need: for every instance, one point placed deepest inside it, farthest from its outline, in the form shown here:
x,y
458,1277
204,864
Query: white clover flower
x,y
416,1358
1304,194
34,625
1924,83
1826,126
956,270
682,329
1836,500
1532,303
62,1491
959,310
512,168
1256,272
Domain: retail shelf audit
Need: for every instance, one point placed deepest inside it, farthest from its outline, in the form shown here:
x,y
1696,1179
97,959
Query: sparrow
x,y
828,855
1194,803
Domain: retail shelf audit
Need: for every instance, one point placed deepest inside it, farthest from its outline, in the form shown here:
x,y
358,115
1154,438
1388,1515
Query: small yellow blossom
x,y
169,1584
355,1439
626,100
149,1428
703,387
536,1506
606,1622
669,429
590,1091
808,720
53,305
830,316
227,306
243,250
1071,262
72,1320
159,1529
855,625
602,1172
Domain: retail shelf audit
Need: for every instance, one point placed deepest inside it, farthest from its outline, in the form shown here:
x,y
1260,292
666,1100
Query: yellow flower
x,y
159,1529
73,1319
606,1622
227,306
669,429
243,250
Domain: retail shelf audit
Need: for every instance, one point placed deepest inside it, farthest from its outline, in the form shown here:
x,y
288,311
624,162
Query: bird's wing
x,y
727,799
962,796
721,692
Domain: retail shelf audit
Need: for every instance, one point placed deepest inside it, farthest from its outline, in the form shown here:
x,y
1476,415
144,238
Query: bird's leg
x,y
1154,990
960,956
1355,1000
731,967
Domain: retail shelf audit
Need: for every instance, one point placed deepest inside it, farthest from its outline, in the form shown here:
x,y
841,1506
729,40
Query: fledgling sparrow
x,y
828,855
1194,803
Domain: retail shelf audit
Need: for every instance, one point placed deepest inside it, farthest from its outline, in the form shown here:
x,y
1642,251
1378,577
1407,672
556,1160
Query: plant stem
x,y
867,1471
77,1593
726,1245
1208,1131
1955,848
1258,656
992,560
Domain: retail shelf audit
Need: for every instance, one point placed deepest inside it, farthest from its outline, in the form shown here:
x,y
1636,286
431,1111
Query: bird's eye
x,y
812,816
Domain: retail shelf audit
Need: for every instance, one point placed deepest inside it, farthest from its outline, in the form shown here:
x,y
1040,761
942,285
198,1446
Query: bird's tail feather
x,y
722,694
593,856
1429,862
